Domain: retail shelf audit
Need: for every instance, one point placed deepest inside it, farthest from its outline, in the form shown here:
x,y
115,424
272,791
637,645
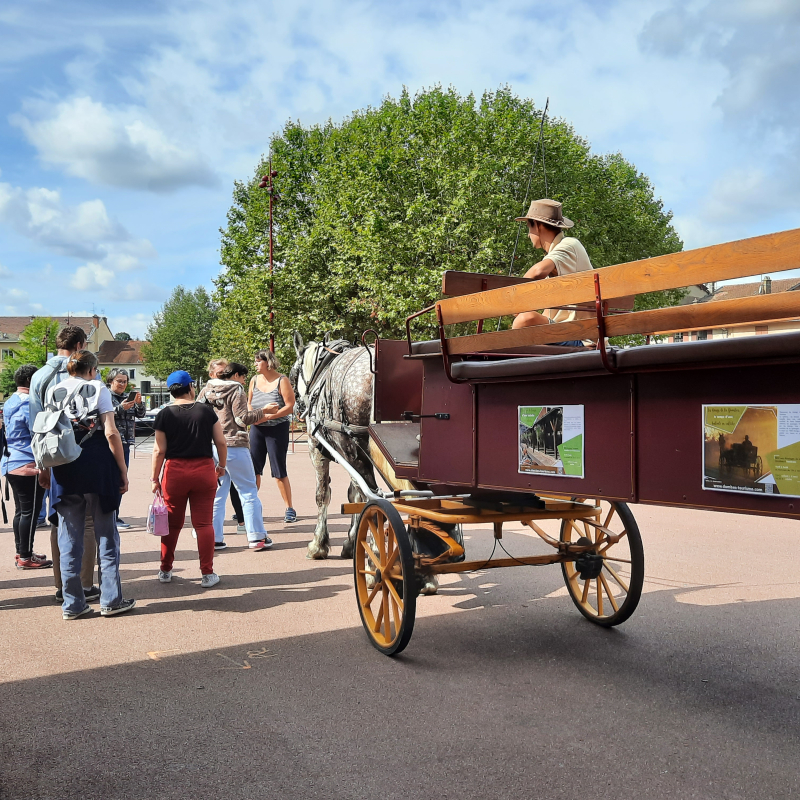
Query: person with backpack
x,y
18,467
70,339
91,483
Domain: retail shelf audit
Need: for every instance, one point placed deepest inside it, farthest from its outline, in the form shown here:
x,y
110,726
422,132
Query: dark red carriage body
x,y
643,428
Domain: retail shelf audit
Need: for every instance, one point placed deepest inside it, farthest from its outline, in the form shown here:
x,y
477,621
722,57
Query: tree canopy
x,y
373,210
122,336
180,334
30,350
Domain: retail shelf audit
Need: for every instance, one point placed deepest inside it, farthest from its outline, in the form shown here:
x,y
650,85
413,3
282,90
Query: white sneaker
x,y
209,580
241,528
164,577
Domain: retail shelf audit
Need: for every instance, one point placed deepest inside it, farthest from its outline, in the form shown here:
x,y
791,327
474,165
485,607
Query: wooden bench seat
x,y
779,347
434,347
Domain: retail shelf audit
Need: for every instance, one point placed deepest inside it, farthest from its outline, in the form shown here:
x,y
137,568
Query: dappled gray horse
x,y
334,378
333,384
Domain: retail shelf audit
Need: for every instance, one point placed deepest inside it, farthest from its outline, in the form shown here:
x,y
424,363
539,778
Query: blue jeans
x,y
239,469
72,511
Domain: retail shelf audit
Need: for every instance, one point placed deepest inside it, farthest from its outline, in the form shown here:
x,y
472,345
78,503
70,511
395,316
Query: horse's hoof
x,y
428,584
316,552
347,549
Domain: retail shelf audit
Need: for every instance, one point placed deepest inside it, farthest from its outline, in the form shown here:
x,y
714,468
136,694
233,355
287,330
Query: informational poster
x,y
752,449
551,440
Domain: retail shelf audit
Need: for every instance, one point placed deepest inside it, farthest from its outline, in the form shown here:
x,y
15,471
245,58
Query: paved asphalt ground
x,y
266,686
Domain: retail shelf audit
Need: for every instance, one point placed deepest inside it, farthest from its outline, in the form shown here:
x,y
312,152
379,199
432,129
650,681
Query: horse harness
x,y
326,354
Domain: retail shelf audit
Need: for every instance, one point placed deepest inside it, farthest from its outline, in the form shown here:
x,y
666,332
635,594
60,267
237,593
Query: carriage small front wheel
x,y
605,582
383,570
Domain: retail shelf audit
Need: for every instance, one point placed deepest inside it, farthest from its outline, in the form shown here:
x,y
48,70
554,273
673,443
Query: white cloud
x,y
91,276
110,146
5,272
84,230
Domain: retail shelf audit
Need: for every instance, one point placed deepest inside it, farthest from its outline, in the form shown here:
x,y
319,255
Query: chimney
x,y
96,321
766,285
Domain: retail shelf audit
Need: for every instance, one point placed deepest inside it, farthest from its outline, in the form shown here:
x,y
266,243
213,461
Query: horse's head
x,y
302,371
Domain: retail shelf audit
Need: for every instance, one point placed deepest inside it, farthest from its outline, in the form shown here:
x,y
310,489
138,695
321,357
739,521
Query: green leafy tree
x,y
36,340
122,336
180,334
373,210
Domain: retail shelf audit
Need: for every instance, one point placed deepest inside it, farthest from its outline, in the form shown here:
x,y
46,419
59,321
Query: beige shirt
x,y
569,255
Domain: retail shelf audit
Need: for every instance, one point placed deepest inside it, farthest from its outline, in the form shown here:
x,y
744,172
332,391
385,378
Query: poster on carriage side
x,y
551,441
752,449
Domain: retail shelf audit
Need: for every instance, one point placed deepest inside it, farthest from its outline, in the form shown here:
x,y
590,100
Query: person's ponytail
x,y
81,363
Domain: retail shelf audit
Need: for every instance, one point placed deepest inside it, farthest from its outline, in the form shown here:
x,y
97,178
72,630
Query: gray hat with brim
x,y
548,211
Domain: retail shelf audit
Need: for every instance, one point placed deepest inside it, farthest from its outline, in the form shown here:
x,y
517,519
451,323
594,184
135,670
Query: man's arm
x,y
546,268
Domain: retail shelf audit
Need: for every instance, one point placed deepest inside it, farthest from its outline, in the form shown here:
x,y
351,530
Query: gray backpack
x,y
53,442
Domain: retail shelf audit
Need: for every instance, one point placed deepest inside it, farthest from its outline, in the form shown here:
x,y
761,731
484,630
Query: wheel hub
x,y
589,565
378,576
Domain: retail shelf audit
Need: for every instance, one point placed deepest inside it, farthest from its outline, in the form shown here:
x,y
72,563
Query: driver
x,y
563,255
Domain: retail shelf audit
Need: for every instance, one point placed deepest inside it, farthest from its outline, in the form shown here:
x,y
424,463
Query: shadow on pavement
x,y
492,703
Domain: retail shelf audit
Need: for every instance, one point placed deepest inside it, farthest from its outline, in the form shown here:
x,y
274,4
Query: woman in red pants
x,y
185,432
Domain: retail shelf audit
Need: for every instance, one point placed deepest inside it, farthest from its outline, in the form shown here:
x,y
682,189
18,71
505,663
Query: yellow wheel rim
x,y
379,577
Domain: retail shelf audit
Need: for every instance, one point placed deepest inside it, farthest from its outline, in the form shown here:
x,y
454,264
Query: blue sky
x,y
123,125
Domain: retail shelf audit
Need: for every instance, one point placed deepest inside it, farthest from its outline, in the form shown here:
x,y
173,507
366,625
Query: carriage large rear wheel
x,y
605,584
383,569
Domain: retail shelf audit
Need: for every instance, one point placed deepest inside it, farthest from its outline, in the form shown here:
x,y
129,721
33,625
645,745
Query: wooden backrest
x,y
773,252
457,284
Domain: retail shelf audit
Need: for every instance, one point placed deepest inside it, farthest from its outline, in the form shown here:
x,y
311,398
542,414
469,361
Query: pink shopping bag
x,y
157,516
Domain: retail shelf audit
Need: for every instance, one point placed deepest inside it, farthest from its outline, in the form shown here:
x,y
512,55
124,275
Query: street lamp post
x,y
267,183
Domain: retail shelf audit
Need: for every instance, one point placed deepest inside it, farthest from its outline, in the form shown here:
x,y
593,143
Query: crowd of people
x,y
209,445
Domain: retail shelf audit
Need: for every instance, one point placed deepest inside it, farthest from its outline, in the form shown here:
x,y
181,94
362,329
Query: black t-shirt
x,y
188,429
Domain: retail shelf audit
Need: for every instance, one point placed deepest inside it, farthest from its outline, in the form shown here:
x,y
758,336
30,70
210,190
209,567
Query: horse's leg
x,y
319,546
355,495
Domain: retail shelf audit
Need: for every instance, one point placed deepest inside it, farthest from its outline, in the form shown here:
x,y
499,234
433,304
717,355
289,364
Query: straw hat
x,y
548,211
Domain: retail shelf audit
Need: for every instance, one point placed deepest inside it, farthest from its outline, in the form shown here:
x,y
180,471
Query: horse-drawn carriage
x,y
501,427
743,456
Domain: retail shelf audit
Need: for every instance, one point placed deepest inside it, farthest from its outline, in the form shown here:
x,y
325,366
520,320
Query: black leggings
x,y
28,497
237,505
272,441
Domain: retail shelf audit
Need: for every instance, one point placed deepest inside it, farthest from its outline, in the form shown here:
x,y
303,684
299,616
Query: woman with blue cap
x,y
185,434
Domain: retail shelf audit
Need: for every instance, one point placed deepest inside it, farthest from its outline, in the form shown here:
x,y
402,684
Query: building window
x,y
678,337
762,329
6,354
131,373
702,336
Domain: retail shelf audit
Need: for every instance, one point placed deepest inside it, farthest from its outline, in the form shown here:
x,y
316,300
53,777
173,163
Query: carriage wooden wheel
x,y
605,582
384,577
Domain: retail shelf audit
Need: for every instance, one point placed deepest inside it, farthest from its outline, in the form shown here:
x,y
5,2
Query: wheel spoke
x,y
585,596
379,616
599,599
387,620
397,617
390,562
396,597
371,596
380,521
611,513
608,592
624,586
372,557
